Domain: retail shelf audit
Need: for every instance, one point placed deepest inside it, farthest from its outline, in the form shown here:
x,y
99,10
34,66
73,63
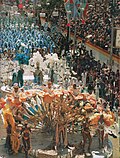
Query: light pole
x,y
111,48
55,15
68,24
113,7
68,32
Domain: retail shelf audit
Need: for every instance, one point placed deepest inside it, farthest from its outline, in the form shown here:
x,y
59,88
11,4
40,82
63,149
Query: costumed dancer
x,y
16,90
49,88
26,132
15,141
12,139
74,90
20,77
86,133
14,78
52,74
61,125
101,124
8,144
38,75
84,77
60,131
97,87
15,93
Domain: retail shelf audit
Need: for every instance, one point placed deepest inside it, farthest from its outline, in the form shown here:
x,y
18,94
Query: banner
x,y
82,8
69,7
76,8
21,2
85,11
117,42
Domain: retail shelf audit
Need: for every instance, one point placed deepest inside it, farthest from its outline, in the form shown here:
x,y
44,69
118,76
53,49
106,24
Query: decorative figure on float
x,y
38,75
26,132
20,77
101,130
86,133
8,144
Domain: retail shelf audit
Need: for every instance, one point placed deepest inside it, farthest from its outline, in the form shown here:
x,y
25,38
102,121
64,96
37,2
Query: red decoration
x,y
71,2
68,24
83,21
66,1
20,6
85,10
2,103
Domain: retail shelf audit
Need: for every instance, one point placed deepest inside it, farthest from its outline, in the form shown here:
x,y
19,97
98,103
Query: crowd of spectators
x,y
97,25
98,77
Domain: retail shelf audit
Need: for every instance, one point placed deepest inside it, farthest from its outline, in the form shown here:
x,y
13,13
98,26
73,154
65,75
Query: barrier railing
x,y
99,49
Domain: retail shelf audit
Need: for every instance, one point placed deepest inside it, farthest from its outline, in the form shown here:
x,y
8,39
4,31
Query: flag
x,y
84,14
83,21
21,2
20,6
85,11
81,7
17,2
76,7
69,7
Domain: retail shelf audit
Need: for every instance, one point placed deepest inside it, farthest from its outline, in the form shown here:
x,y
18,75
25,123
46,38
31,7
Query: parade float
x,y
57,118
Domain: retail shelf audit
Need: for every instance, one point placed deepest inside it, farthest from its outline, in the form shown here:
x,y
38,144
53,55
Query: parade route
x,y
59,79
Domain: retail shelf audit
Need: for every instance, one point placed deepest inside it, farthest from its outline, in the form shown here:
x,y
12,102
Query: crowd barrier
x,y
98,49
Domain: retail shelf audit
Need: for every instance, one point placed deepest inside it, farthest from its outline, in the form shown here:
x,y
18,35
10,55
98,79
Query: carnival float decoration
x,y
54,110
56,69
